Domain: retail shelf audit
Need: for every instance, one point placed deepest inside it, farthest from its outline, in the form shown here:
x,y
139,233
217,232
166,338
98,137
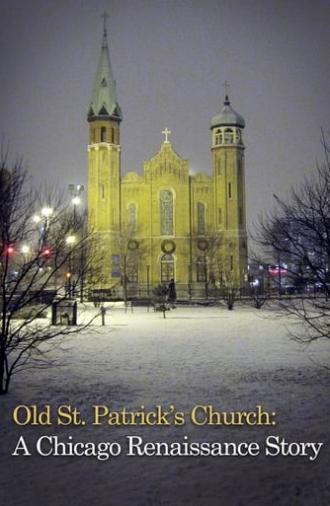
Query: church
x,y
167,223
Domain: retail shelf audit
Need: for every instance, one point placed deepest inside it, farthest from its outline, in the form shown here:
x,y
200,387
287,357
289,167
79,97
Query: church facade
x,y
167,223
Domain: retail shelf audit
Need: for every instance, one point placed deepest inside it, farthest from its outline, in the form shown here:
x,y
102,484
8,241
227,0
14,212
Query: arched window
x,y
218,137
201,218
132,214
229,136
103,134
167,268
166,212
201,268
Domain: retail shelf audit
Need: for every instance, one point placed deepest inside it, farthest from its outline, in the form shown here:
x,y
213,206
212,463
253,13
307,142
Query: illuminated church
x,y
167,223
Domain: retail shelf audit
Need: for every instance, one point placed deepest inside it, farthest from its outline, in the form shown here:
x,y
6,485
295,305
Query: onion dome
x,y
227,117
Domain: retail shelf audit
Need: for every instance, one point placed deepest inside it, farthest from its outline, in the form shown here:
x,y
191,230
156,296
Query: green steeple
x,y
104,102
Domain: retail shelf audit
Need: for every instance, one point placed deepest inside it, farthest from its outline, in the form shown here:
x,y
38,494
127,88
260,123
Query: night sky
x,y
170,59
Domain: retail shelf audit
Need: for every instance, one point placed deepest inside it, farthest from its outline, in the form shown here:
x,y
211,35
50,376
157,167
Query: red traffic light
x,y
46,251
10,250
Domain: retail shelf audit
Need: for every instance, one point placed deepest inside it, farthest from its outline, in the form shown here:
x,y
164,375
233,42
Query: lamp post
x,y
70,241
148,280
25,250
9,251
190,281
75,191
279,274
45,214
205,277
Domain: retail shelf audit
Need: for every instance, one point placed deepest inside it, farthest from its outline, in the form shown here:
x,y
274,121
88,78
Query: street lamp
x,y
70,240
36,218
76,201
46,212
25,249
75,191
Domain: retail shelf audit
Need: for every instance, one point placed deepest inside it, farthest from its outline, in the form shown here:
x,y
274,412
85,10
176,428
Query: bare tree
x,y
132,252
160,299
222,275
37,252
298,231
258,296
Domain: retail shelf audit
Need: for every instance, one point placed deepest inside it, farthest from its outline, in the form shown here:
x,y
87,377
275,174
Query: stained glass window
x,y
201,218
166,212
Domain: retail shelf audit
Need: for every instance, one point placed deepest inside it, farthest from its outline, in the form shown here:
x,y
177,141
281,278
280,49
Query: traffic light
x,y
46,252
10,250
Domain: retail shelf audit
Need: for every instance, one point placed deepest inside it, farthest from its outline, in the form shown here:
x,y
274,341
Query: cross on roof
x,y
105,16
166,133
226,85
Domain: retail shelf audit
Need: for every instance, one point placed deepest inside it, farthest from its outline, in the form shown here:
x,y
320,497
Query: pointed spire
x,y
104,102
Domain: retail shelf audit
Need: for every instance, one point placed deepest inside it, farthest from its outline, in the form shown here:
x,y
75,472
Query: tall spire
x,y
104,102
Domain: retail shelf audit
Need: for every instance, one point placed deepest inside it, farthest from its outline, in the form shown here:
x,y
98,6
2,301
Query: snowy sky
x,y
170,59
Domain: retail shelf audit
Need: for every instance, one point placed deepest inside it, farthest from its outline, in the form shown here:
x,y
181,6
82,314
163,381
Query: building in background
x,y
167,223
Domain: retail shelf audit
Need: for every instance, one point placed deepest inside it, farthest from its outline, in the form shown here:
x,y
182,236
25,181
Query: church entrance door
x,y
167,268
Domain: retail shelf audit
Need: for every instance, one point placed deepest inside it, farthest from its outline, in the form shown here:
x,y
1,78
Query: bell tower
x,y
104,165
228,173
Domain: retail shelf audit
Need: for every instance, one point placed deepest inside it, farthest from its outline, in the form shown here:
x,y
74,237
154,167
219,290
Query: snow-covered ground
x,y
230,359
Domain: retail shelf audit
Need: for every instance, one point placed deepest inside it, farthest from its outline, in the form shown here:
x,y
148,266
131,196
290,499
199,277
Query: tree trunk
x,y
4,381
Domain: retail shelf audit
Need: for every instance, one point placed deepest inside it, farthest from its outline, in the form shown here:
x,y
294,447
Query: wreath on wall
x,y
132,244
202,244
168,246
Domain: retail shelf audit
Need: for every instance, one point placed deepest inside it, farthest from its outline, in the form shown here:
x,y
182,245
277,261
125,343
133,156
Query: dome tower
x,y
227,150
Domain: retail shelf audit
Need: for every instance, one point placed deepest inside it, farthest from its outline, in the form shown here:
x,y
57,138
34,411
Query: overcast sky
x,y
170,59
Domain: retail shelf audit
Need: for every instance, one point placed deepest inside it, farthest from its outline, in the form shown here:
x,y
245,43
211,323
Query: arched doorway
x,y
167,268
